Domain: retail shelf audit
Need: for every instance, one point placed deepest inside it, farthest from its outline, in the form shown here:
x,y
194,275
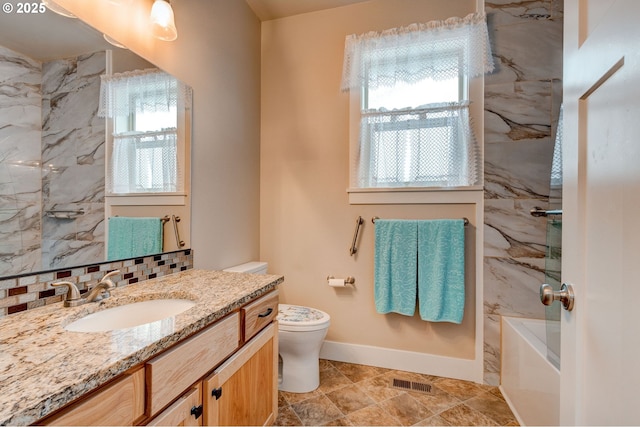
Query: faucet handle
x,y
107,278
73,294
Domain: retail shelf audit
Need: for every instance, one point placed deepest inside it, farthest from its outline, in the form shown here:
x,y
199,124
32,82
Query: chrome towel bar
x,y
538,212
466,220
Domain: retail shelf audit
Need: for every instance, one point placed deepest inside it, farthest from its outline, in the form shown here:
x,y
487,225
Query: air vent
x,y
411,385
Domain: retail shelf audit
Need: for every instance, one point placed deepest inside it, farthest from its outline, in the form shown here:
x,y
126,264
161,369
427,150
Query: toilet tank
x,y
255,267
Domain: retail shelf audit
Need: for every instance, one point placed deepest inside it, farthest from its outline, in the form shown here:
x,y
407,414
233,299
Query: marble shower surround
x,y
522,103
20,160
73,160
51,157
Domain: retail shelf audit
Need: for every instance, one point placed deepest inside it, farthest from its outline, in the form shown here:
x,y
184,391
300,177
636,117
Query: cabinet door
x,y
186,411
244,390
117,404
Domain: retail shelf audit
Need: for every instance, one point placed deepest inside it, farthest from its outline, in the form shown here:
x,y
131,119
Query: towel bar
x,y
176,220
466,220
354,248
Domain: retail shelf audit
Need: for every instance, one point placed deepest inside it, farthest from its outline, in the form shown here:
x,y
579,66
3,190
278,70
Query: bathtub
x,y
529,381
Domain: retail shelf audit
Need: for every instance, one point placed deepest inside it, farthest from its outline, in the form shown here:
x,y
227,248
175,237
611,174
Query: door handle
x,y
565,295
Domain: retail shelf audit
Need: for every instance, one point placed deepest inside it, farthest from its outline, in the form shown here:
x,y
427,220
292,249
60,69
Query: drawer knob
x,y
196,411
216,392
266,313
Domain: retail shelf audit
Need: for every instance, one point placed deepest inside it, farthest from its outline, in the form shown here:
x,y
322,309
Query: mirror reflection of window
x,y
142,108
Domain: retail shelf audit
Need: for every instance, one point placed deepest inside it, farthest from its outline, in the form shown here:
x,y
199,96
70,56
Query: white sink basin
x,y
130,315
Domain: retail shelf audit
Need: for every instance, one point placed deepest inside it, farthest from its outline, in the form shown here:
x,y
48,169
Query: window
x,y
414,110
145,150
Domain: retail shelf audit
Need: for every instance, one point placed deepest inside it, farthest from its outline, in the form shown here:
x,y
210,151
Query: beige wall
x,y
217,53
307,223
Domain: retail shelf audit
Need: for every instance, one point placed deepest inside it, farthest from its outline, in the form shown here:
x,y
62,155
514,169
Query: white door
x,y
600,374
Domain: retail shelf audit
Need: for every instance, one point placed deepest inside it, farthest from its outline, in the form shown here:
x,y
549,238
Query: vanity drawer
x,y
259,313
117,404
183,412
175,370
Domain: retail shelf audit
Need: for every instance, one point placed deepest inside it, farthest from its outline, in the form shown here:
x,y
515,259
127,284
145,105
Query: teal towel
x,y
133,237
441,270
395,266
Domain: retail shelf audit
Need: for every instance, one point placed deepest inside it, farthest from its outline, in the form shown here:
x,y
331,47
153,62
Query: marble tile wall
x,y
28,291
51,158
73,156
20,160
522,103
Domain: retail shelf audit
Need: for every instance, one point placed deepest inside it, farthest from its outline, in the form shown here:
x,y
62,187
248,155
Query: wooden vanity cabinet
x,y
242,391
119,403
191,383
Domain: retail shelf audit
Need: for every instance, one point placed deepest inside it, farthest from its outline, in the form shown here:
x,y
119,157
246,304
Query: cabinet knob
x,y
196,411
217,393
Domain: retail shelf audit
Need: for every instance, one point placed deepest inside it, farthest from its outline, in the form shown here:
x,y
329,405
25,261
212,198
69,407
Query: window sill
x,y
400,196
151,199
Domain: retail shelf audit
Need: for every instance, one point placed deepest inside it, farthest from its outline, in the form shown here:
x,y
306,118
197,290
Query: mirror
x,y
52,144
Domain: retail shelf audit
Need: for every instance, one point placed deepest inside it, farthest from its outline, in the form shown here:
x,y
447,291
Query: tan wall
x,y
217,53
307,223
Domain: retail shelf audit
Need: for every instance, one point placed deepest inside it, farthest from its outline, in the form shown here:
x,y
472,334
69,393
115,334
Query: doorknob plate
x,y
565,295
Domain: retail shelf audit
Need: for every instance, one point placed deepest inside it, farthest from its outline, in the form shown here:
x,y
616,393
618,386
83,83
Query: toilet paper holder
x,y
350,280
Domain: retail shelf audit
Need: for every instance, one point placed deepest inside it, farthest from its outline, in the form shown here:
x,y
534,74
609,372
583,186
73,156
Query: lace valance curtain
x,y
438,50
140,91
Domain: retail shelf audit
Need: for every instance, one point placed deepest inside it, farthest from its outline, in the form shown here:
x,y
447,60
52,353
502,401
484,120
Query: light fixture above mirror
x,y
163,26
54,7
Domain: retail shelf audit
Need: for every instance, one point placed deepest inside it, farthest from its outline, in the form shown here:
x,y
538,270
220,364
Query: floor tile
x,y
287,417
372,416
359,395
358,372
406,409
492,406
463,390
332,379
316,411
437,400
350,399
462,415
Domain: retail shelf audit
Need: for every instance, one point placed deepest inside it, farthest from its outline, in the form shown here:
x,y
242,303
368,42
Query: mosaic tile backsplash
x,y
25,292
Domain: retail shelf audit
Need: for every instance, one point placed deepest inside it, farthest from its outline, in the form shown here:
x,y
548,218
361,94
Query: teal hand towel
x,y
395,266
441,270
133,237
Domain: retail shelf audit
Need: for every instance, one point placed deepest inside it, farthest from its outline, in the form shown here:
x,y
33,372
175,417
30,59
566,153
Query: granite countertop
x,y
43,366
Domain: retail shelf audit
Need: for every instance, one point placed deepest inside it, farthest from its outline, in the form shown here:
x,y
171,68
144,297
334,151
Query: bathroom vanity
x,y
213,364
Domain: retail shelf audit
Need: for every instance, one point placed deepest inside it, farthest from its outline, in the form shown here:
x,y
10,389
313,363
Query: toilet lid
x,y
299,318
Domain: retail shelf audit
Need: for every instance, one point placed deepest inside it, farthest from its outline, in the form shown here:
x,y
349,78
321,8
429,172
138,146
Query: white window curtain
x,y
139,91
419,147
430,145
142,161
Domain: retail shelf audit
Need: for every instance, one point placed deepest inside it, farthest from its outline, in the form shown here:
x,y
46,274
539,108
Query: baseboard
x,y
442,366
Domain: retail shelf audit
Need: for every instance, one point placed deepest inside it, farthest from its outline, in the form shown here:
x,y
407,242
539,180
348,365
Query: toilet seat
x,y
296,318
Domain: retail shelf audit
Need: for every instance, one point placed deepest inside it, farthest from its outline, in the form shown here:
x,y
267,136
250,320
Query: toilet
x,y
301,332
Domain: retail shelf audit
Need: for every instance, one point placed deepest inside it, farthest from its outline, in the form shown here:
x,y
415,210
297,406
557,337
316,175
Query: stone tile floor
x,y
360,395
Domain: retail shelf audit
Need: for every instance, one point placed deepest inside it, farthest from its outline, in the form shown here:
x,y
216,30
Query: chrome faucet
x,y
98,292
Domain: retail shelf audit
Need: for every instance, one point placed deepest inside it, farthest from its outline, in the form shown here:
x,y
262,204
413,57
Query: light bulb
x,y
163,26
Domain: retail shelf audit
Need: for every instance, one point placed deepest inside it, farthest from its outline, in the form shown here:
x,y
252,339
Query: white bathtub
x,y
529,381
